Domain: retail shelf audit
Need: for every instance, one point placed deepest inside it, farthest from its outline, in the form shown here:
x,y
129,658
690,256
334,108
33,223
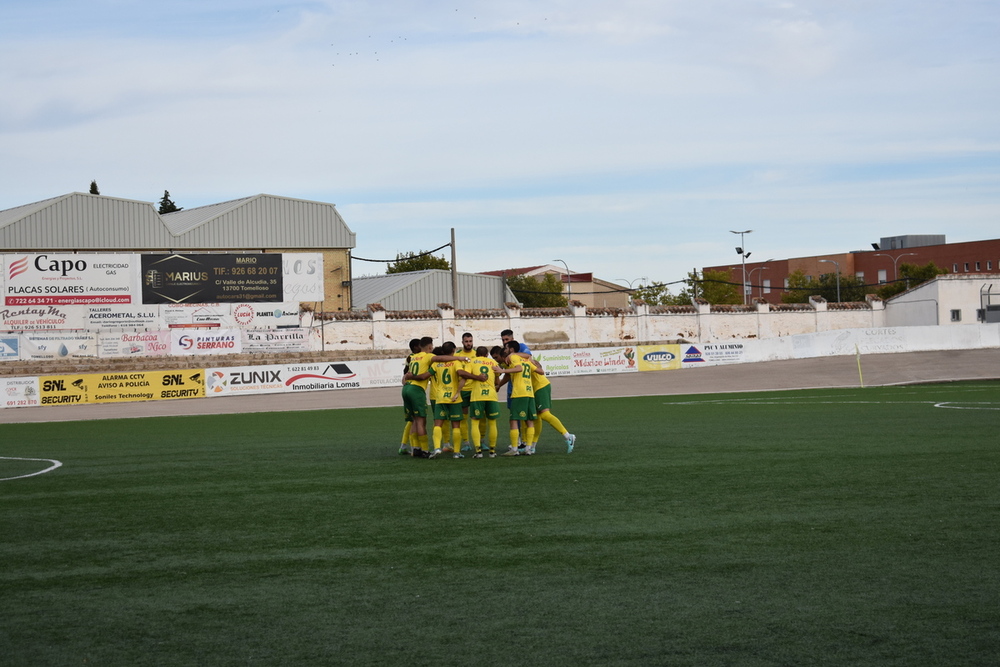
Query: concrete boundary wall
x,y
58,390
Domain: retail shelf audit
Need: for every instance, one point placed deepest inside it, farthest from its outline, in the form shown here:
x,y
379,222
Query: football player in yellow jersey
x,y
543,403
468,350
522,405
481,375
407,445
446,395
415,392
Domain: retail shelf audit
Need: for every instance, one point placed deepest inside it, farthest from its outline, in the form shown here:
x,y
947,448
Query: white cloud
x,y
593,121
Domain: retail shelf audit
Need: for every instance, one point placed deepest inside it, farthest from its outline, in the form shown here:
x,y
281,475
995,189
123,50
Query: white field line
x,y
967,406
954,405
55,464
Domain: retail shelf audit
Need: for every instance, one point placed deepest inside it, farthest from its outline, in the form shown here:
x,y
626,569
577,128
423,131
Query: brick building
x,y
880,265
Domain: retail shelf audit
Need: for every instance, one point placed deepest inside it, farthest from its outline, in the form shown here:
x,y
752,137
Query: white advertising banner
x,y
58,345
227,381
590,360
265,315
10,346
381,372
281,341
555,362
122,317
71,279
137,344
710,354
19,392
42,318
234,380
303,276
196,315
216,341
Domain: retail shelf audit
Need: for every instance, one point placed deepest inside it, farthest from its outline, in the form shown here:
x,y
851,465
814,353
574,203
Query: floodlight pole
x,y
742,250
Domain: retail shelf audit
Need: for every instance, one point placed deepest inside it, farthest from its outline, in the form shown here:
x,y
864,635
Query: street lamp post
x,y
830,261
569,280
743,255
761,287
895,270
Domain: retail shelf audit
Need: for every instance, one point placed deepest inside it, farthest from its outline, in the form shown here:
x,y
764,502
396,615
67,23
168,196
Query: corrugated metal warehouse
x,y
79,222
424,290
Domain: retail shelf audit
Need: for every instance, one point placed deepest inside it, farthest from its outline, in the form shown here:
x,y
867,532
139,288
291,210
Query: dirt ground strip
x,y
876,370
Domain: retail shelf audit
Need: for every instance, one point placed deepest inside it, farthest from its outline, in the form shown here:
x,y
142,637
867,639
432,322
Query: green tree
x,y
659,294
534,293
417,261
801,287
910,275
716,287
94,189
166,205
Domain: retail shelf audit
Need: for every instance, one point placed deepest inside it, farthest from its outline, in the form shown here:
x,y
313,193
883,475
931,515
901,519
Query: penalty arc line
x,y
55,464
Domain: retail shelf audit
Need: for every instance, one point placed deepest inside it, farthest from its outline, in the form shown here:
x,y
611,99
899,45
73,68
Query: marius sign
x,y
212,278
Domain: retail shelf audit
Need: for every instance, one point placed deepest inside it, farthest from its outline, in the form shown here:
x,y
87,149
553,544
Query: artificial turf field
x,y
817,527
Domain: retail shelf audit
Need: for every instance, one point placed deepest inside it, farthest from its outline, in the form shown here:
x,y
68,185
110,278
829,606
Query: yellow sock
x,y
538,433
406,434
493,434
514,433
437,437
554,422
476,435
464,430
456,443
529,433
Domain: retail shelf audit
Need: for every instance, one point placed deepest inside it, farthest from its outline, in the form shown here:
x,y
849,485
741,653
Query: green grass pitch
x,y
821,527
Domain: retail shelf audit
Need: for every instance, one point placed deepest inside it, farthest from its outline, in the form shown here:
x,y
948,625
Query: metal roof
x,y
79,221
424,290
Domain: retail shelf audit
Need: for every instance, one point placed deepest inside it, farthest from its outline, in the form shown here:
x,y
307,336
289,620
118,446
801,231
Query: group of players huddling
x,y
464,385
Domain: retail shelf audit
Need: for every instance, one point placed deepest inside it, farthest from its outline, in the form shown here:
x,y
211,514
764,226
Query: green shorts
x,y
543,398
484,409
466,398
450,412
523,408
414,401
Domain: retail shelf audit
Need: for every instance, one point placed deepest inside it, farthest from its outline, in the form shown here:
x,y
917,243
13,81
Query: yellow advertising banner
x,y
659,357
121,387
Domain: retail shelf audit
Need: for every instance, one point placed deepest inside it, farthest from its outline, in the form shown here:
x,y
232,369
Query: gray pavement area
x,y
841,371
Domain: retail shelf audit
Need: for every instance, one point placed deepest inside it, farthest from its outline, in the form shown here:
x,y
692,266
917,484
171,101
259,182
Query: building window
x,y
767,286
954,268
989,265
956,316
881,277
977,267
966,267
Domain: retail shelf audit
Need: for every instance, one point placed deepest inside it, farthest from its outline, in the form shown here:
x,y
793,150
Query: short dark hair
x,y
414,345
425,341
448,347
496,349
466,334
481,351
513,346
506,332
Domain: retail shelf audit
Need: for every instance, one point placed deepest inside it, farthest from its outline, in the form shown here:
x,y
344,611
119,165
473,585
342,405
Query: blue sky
x,y
626,138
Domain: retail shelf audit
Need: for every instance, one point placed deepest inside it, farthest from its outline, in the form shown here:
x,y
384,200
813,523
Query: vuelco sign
x,y
212,278
70,279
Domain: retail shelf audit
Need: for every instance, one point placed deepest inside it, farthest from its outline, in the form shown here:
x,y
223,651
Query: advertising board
x,y
212,278
60,279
